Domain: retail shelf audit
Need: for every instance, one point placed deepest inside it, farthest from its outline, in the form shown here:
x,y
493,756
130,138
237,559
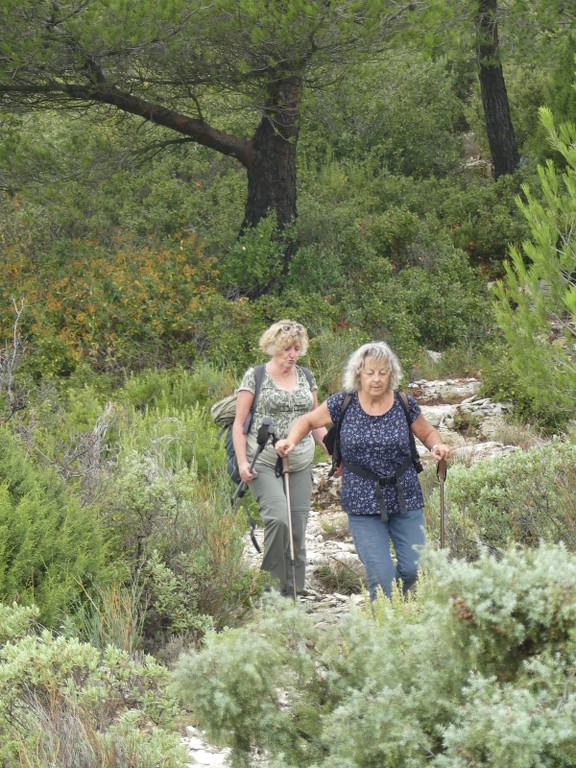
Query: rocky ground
x,y
471,425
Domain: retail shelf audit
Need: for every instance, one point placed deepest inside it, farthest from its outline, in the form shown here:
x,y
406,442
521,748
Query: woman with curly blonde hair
x,y
287,392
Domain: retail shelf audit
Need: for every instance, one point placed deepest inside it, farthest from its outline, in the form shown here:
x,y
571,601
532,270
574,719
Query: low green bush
x,y
67,703
51,546
525,497
482,218
341,578
477,669
175,389
122,529
180,539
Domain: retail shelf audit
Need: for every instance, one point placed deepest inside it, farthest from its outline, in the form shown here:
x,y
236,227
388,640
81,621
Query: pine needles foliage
x,y
536,303
49,543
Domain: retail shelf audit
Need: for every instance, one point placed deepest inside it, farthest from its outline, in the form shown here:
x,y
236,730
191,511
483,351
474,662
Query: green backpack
x,y
224,412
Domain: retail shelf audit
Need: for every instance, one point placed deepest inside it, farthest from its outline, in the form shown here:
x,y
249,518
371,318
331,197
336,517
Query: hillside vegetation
x,y
141,258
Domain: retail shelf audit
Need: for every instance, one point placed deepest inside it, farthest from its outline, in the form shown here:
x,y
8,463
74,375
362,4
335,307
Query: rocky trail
x,y
470,424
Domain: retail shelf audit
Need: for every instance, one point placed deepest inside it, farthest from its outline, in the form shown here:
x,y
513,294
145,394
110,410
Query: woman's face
x,y
374,377
288,356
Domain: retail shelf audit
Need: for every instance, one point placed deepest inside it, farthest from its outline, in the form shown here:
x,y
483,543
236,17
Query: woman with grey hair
x,y
285,394
381,493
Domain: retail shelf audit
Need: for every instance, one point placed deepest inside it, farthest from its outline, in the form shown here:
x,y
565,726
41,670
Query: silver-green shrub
x,y
476,670
68,704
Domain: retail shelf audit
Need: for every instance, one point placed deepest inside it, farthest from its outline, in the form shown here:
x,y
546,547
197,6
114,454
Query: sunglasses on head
x,y
290,327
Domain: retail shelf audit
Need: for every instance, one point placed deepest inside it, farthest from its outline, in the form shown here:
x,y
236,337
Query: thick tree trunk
x,y
269,157
272,164
499,128
271,177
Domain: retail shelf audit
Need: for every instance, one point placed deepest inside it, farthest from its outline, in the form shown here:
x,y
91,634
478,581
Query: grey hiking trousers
x,y
268,491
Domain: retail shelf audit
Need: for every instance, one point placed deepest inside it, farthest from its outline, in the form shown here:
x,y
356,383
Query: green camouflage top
x,y
282,407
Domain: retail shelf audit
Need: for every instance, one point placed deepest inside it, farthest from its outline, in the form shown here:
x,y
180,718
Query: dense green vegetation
x,y
129,302
478,670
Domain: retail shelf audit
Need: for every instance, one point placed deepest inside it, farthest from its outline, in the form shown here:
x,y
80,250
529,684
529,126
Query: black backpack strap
x,y
336,450
382,480
259,371
403,400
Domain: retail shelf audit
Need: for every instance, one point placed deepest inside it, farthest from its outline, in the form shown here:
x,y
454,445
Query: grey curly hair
x,y
283,334
379,350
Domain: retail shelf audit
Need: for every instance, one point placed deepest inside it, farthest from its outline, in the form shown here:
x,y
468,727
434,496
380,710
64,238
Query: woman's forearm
x,y
299,429
315,420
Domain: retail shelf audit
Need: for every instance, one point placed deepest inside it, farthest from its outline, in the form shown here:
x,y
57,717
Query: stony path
x,y
327,539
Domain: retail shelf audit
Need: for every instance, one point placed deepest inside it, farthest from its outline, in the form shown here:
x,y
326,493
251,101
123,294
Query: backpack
x,y
224,412
332,437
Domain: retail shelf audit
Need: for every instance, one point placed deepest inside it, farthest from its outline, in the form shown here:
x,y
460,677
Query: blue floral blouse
x,y
380,444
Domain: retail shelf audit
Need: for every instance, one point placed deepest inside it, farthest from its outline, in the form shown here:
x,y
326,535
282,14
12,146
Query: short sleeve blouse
x,y
380,444
282,407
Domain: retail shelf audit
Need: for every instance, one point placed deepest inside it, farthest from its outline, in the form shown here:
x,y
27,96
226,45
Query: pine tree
x,y
536,302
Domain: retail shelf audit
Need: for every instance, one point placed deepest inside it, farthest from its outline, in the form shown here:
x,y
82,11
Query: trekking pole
x,y
286,474
441,475
265,432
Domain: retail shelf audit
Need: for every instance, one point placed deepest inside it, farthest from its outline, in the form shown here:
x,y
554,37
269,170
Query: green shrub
x,y
17,621
524,497
328,354
51,547
409,129
180,540
66,701
536,302
150,475
175,389
447,299
482,219
502,381
437,302
413,684
254,264
341,578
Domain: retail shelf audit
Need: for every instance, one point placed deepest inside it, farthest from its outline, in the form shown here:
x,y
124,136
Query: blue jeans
x,y
372,538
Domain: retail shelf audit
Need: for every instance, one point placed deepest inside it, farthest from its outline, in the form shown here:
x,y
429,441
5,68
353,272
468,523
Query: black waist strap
x,y
380,481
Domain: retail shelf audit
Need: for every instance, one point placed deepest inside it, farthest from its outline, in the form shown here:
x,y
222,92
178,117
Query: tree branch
x,y
197,130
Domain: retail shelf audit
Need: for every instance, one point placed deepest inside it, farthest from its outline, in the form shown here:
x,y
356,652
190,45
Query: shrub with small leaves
x,y
181,540
524,497
476,669
89,707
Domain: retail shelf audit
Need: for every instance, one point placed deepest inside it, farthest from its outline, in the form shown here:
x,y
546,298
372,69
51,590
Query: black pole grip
x,y
264,431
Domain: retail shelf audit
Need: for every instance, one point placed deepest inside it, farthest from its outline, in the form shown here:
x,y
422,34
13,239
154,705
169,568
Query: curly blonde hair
x,y
379,350
283,334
